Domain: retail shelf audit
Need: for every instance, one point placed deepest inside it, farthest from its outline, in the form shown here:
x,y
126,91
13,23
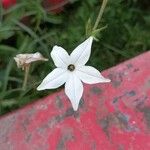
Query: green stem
x,y
27,68
101,11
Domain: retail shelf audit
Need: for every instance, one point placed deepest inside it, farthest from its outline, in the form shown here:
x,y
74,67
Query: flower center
x,y
71,67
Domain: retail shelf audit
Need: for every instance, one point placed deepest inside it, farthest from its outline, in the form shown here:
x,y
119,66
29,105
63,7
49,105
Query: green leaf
x,y
7,49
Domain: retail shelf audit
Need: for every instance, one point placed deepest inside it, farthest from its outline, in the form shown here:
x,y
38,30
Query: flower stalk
x,y
94,30
101,11
24,61
27,69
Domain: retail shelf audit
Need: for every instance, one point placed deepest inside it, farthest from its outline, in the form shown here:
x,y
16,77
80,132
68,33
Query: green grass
x,y
127,35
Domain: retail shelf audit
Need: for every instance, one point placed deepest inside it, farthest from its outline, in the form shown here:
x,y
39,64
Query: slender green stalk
x,y
101,11
27,68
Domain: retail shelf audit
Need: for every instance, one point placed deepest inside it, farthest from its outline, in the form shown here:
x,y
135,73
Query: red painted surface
x,y
112,116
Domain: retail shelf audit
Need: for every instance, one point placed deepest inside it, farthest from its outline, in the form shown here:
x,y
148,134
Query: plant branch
x,y
27,68
101,11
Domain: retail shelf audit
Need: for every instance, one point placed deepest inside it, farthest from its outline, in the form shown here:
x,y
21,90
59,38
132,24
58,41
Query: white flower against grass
x,y
72,71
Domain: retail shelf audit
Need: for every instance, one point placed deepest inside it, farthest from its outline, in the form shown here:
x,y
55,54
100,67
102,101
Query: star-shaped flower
x,y
72,71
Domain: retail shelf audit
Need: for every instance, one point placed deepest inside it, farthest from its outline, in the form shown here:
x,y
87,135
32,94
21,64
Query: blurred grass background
x,y
28,27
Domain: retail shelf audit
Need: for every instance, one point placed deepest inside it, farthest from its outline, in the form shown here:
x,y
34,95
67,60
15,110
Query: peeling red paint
x,y
112,116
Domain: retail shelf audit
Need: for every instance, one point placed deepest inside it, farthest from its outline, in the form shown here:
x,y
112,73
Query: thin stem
x,y
101,11
27,68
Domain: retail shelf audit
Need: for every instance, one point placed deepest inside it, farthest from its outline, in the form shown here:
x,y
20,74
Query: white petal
x,y
81,54
54,79
74,90
34,57
90,75
60,57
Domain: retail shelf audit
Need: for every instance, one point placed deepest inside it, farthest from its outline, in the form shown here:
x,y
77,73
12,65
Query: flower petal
x,y
90,75
54,79
60,57
23,60
74,90
81,53
34,57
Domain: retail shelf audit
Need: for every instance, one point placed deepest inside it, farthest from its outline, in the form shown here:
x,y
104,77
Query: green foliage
x,y
27,27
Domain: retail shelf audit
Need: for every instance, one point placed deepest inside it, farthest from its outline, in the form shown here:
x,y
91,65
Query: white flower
x,y
72,71
24,60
